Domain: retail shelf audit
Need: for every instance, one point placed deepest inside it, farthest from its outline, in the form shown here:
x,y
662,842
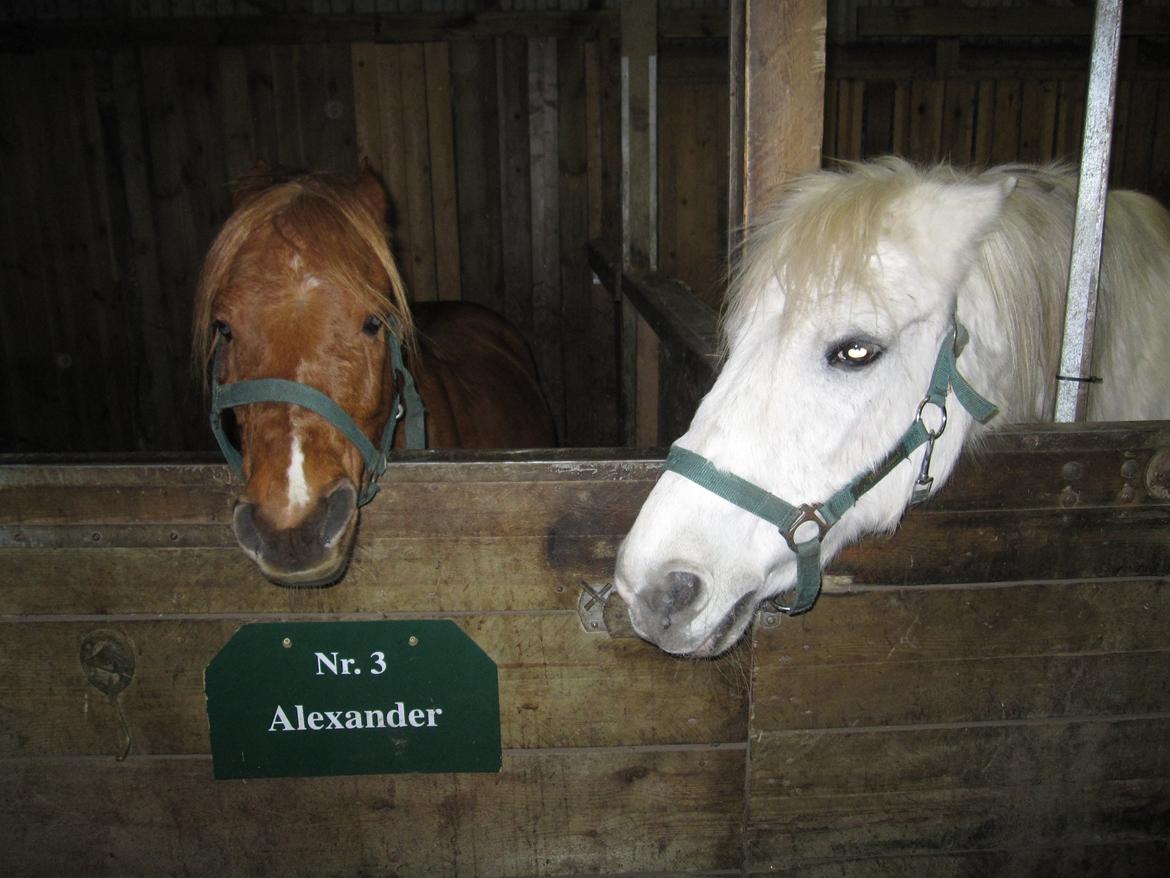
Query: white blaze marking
x,y
298,487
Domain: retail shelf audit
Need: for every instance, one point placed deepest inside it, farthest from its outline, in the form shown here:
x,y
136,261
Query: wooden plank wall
x,y
692,165
498,146
484,145
987,692
992,93
617,758
992,121
1002,706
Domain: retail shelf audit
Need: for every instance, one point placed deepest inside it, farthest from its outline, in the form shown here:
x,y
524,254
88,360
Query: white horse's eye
x,y
854,353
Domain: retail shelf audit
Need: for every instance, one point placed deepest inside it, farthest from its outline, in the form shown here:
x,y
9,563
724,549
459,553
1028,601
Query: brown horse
x,y
301,319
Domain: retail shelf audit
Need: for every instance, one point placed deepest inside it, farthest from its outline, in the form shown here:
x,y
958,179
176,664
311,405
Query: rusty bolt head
x,y
1158,475
107,658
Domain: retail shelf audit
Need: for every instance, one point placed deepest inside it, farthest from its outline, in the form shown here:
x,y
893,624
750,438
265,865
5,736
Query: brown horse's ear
x,y
247,186
371,189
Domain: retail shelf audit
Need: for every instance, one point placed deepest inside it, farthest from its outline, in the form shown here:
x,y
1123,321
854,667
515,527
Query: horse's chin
x,y
329,571
711,641
319,577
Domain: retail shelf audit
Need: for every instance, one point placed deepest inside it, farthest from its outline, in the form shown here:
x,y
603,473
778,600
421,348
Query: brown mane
x,y
302,210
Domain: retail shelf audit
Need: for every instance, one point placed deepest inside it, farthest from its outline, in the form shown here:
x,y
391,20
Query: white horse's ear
x,y
949,221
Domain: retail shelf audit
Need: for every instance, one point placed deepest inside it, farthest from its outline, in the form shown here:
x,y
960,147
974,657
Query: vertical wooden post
x,y
777,126
777,78
639,63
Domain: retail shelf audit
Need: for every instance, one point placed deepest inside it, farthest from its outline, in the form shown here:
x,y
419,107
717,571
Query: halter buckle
x,y
924,483
810,513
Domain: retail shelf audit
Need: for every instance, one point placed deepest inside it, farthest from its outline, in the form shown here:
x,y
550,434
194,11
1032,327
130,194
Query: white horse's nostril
x,y
677,591
684,588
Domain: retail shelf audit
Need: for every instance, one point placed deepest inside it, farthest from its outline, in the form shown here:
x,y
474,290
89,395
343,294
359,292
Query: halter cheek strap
x,y
406,403
804,527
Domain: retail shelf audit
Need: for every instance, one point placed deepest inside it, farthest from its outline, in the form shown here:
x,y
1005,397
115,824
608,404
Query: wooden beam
x,y
639,136
298,29
778,86
121,31
1024,21
905,62
682,321
684,332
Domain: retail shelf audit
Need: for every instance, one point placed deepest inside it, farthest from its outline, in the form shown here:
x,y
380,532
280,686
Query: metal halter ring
x,y
809,513
932,434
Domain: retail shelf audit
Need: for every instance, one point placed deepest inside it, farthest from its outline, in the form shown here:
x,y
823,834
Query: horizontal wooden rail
x,y
945,58
236,30
1023,22
671,376
681,320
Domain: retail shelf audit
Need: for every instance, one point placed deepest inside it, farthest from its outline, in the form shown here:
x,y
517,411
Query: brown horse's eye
x,y
222,329
372,325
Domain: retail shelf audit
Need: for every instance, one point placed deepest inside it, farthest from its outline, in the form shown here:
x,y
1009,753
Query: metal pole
x,y
1076,355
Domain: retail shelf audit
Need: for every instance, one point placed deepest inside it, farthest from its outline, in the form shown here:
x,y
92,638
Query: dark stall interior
x,y
495,126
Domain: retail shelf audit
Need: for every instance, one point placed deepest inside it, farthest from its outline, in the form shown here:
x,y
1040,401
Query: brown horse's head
x,y
300,285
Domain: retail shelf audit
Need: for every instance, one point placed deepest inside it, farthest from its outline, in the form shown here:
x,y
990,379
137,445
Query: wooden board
x,y
617,756
547,813
559,686
1014,726
955,725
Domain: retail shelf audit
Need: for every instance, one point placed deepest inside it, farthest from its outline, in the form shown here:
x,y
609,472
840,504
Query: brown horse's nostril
x,y
247,533
340,506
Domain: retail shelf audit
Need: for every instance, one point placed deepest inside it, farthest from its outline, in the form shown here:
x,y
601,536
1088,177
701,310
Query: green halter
x,y
789,519
406,403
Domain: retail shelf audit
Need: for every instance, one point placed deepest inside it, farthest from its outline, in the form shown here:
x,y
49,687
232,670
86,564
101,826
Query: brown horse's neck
x,y
477,381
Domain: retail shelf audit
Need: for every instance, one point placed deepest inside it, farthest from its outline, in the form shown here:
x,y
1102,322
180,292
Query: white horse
x,y
841,316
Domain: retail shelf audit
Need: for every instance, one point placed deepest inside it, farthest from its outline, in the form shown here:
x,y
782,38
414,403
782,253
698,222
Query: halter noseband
x,y
822,516
406,403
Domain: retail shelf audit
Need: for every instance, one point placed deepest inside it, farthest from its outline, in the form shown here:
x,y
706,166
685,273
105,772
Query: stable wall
x,y
494,129
118,177
987,692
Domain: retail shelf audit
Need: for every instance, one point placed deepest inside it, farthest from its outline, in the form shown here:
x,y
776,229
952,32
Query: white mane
x,y
818,239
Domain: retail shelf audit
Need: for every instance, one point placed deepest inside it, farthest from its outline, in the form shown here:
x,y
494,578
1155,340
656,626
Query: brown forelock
x,y
309,211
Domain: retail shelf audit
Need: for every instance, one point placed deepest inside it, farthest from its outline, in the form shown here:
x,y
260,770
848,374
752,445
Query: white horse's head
x,y
834,325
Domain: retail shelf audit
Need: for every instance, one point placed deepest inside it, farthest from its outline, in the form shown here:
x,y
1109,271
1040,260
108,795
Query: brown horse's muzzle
x,y
312,553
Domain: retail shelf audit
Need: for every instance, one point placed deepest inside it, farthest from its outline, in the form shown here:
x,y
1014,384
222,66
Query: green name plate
x,y
308,699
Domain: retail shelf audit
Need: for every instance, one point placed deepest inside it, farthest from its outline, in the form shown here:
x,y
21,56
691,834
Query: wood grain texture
x,y
560,687
784,97
1100,860
546,813
956,723
1012,726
